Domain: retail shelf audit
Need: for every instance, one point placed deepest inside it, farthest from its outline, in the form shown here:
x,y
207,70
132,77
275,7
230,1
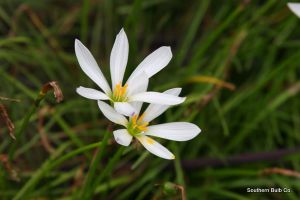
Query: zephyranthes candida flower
x,y
138,126
134,91
295,8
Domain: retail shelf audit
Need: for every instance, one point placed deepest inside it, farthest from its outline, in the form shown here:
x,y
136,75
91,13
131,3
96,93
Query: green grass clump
x,y
238,63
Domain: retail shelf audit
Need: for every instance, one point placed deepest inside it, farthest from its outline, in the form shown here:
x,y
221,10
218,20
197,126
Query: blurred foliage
x,y
250,45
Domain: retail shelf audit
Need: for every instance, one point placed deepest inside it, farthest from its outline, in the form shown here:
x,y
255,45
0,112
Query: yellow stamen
x,y
143,127
123,90
134,119
141,117
137,124
120,92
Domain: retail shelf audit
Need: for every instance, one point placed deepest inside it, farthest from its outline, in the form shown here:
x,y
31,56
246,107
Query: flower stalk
x,y
109,167
88,183
41,95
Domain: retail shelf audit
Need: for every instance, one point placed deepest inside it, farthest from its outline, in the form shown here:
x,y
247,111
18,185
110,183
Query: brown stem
x,y
240,159
8,122
276,170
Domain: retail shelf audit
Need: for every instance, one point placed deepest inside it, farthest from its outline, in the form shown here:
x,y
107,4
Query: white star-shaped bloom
x,y
137,126
125,98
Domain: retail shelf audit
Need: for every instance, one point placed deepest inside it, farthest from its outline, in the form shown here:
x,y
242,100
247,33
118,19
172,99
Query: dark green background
x,y
253,45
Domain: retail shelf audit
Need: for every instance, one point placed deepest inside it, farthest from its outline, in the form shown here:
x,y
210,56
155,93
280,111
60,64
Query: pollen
x,y
137,125
119,94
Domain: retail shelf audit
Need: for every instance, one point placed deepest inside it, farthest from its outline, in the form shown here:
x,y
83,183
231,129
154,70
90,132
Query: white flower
x,y
137,126
295,8
127,97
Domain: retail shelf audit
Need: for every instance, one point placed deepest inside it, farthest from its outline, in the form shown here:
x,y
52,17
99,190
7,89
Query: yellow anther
x,y
143,127
118,86
138,124
141,117
120,92
123,90
134,119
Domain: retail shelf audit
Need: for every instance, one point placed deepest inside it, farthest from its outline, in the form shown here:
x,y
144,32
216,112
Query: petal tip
x,y
78,89
77,41
168,49
199,130
294,7
183,99
291,3
122,32
119,141
196,131
179,90
78,45
165,50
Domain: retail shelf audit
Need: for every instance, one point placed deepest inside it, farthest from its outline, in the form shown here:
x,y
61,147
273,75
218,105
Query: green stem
x,y
104,187
108,169
74,153
178,167
84,19
86,190
37,176
25,122
113,183
51,163
68,131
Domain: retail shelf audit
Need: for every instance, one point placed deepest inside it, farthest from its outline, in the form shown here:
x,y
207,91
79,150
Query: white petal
x,y
137,106
157,98
154,110
90,66
124,108
156,148
111,114
154,62
122,137
177,131
295,8
118,58
173,91
137,84
91,93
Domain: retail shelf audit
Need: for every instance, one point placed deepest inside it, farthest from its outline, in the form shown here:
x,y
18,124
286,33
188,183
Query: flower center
x,y
119,94
136,125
